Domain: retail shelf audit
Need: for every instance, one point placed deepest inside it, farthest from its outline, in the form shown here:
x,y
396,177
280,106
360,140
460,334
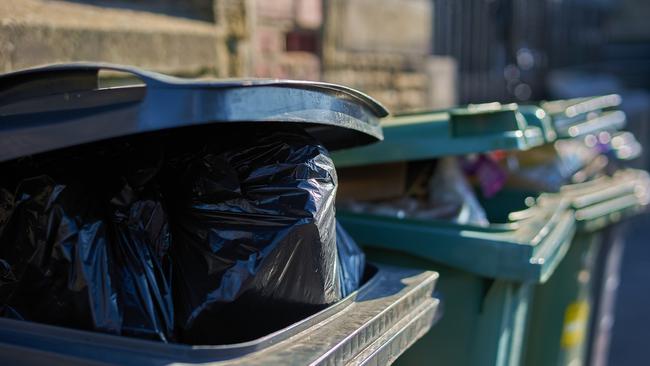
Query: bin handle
x,y
63,78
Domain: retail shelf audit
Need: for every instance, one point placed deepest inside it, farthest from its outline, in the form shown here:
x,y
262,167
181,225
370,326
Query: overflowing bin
x,y
489,261
180,221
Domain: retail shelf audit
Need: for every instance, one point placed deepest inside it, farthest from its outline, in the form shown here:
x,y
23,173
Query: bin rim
x,y
527,250
393,295
605,200
168,81
433,134
57,106
581,116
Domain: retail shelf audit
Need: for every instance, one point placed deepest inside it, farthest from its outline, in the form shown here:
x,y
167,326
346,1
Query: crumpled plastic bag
x,y
448,197
254,235
449,187
245,224
90,254
352,261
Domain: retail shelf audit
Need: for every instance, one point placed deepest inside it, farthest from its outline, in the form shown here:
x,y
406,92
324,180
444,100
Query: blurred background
x,y
409,54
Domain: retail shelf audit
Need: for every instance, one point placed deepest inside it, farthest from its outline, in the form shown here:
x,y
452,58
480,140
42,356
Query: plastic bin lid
x,y
625,146
536,116
580,126
577,106
426,135
578,117
605,200
53,107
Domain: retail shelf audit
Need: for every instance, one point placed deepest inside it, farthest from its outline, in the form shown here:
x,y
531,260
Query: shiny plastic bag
x,y
254,235
255,243
352,261
448,187
89,253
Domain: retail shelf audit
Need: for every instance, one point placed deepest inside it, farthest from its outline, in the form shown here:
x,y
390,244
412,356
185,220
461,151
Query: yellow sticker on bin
x,y
576,318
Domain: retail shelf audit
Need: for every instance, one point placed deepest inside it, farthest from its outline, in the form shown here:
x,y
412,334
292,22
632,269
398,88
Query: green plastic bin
x,y
487,274
487,277
563,316
562,307
494,314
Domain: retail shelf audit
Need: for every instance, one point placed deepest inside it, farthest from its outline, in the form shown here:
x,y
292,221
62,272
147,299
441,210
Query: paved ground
x,y
631,333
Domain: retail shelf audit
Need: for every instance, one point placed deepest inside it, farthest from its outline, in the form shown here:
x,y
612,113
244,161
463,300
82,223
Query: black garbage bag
x,y
90,253
7,276
352,261
256,247
254,235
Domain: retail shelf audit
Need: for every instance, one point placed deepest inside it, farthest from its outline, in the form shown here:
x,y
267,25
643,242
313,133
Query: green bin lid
x,y
458,131
578,106
578,117
536,116
605,200
625,146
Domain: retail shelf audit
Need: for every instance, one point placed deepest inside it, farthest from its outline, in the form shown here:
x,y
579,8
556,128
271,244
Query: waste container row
x,y
482,225
517,288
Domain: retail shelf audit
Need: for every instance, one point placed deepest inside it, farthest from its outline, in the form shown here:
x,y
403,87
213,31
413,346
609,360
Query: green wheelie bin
x,y
489,269
561,315
564,315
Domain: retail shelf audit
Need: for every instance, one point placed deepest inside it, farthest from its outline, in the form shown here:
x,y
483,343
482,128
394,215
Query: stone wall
x,y
35,32
381,47
286,39
233,23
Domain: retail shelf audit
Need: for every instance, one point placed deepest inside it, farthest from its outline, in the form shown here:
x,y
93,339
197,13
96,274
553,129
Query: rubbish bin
x,y
561,315
488,272
372,326
565,310
48,110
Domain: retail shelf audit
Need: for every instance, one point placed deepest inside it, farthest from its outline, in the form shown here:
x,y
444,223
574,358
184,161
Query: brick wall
x,y
35,32
380,47
286,39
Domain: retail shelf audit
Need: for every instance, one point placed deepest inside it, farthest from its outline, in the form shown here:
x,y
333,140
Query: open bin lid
x,y
623,145
581,116
458,131
372,326
53,107
580,106
528,249
605,200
